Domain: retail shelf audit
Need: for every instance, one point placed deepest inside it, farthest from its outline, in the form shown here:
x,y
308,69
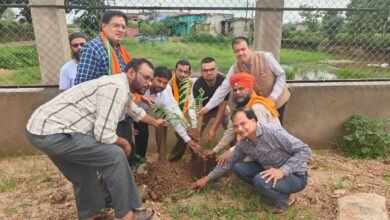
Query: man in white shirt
x,y
77,130
270,79
161,95
68,71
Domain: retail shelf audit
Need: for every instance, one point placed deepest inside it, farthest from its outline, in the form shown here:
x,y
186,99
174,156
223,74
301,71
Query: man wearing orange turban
x,y
242,85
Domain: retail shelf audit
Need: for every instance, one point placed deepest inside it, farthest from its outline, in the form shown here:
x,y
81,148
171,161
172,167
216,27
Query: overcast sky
x,y
289,16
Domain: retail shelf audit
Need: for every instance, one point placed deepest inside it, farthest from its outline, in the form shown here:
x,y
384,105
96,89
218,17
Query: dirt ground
x,y
32,188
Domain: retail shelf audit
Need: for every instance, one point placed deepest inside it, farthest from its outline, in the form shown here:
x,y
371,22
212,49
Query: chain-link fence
x,y
321,40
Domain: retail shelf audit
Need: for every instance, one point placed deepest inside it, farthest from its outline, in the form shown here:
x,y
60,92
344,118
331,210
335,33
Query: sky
x,y
289,16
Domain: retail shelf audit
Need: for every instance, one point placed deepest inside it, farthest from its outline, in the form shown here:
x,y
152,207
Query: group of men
x,y
87,129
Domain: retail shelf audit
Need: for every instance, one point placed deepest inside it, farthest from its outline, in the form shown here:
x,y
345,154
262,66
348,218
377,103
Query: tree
x,y
25,13
331,24
368,22
311,18
90,18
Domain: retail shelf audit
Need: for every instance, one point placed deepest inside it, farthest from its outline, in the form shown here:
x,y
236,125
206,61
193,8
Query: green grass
x,y
298,64
293,56
235,200
22,76
8,183
167,54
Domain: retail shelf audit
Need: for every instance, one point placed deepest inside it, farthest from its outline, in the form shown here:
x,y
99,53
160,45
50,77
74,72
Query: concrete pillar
x,y
268,27
51,38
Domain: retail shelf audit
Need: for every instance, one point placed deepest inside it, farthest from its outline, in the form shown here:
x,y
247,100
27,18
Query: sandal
x,y
146,214
104,214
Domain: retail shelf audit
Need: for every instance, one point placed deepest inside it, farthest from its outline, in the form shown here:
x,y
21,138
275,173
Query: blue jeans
x,y
250,173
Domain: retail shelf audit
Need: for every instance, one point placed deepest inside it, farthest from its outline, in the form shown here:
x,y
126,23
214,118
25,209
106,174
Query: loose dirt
x,y
32,187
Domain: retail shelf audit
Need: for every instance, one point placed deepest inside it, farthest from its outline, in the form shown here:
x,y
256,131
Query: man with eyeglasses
x,y
68,71
77,130
162,95
104,55
209,81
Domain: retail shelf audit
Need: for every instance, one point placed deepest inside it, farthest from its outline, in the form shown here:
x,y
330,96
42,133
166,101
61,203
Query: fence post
x,y
268,27
51,38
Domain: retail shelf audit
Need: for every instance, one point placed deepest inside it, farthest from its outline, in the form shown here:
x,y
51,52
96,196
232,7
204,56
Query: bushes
x,y
14,31
367,139
207,38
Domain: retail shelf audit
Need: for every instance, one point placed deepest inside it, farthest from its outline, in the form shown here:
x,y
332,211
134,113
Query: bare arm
x,y
217,121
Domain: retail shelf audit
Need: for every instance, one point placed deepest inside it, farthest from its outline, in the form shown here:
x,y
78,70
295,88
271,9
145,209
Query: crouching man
x,y
77,130
279,166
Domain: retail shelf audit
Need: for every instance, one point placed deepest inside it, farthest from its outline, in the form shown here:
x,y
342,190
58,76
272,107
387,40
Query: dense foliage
x,y
367,138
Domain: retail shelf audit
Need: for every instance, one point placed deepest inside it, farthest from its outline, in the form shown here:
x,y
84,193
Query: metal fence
x,y
321,40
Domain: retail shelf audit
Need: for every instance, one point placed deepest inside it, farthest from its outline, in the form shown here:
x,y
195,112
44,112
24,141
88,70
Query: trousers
x,y
79,157
250,173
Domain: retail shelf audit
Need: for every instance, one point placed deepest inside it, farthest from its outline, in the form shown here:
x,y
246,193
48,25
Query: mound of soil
x,y
160,179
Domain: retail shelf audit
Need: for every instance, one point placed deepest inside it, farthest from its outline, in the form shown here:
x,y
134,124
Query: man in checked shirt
x,y
279,166
77,130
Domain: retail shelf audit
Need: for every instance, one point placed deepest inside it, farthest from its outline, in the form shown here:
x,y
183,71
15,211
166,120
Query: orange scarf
x,y
114,65
260,99
177,95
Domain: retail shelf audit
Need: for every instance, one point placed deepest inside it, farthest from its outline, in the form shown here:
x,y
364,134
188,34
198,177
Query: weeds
x,y
8,183
367,138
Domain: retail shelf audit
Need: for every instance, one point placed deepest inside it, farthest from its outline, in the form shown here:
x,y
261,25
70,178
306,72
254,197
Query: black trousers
x,y
124,130
141,139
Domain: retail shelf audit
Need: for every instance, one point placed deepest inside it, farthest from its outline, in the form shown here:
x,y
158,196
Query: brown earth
x,y
32,187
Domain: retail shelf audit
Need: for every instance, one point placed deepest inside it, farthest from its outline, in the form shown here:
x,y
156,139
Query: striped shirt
x,y
94,61
274,147
93,108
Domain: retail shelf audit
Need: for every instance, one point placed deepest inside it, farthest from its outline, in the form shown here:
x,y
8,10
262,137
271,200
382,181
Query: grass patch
x,y
167,53
9,210
293,56
16,57
8,183
22,76
222,200
352,73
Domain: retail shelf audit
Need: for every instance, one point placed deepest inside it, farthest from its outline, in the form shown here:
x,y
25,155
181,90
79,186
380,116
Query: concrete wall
x,y
315,112
16,107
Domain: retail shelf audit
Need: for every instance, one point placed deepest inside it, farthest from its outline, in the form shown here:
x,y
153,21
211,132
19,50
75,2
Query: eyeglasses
x,y
78,45
146,78
119,26
208,70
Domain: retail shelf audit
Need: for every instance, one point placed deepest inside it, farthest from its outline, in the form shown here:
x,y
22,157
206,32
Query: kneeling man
x,y
279,166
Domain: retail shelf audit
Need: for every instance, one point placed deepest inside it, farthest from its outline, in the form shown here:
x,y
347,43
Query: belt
x,y
300,173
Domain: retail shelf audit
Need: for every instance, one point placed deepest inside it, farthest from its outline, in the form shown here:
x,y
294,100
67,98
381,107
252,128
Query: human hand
x,y
203,111
193,133
200,183
207,154
124,144
221,160
161,123
272,174
135,132
148,100
194,146
211,134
